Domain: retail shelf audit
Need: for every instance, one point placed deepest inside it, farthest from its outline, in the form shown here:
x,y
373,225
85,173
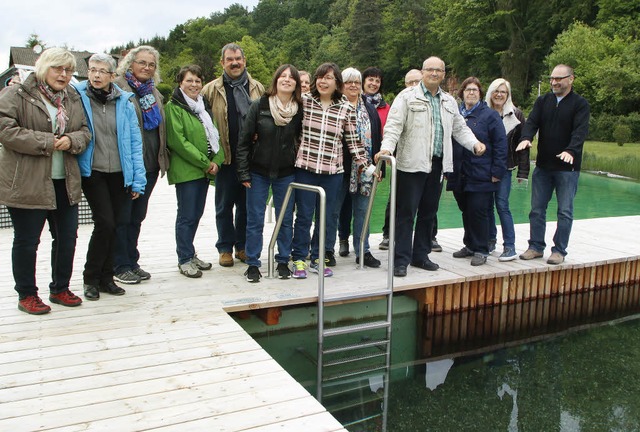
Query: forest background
x,y
520,40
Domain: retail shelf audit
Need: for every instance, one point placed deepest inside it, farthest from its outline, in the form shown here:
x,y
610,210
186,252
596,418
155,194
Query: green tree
x,y
34,40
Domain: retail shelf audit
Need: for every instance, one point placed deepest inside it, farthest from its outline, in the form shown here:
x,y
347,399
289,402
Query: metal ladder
x,y
349,366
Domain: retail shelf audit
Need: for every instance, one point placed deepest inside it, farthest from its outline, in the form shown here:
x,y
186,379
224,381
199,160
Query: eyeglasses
x,y
432,70
355,83
60,69
557,78
472,90
412,82
327,78
143,64
95,71
501,92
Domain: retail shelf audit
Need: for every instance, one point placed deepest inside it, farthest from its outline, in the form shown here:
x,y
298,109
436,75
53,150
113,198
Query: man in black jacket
x,y
561,118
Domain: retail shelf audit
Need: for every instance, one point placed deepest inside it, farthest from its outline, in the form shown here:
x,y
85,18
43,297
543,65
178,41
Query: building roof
x,y
27,56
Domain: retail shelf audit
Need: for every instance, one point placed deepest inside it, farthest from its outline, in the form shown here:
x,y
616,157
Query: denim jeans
x,y
475,208
501,198
232,230
27,228
543,183
257,196
359,203
133,213
191,197
106,196
306,204
338,217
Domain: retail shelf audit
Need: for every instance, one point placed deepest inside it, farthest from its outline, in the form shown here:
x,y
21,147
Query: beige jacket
x,y
215,93
163,153
27,147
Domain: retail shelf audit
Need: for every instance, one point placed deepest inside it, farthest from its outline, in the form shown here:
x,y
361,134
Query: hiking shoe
x,y
91,292
330,258
478,259
144,275
253,274
314,268
400,271
241,255
435,246
299,269
111,288
226,259
555,258
427,264
65,298
530,254
492,245
463,253
344,248
128,277
33,305
369,260
509,254
283,271
201,264
384,244
190,270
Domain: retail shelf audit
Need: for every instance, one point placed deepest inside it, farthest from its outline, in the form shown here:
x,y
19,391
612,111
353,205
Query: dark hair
x,y
323,70
273,88
465,83
231,47
372,71
193,68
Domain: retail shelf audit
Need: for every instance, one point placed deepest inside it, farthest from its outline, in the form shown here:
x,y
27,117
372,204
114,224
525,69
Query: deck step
x,y
353,373
365,295
354,346
373,325
355,358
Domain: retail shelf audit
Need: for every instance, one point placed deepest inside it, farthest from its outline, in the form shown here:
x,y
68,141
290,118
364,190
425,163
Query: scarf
x,y
282,114
151,117
466,112
375,100
57,100
240,95
101,95
213,137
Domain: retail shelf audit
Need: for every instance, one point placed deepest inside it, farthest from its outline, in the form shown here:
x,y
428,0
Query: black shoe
x,y
463,253
369,260
435,247
344,248
253,274
400,271
330,259
478,259
111,288
91,292
427,264
492,245
284,272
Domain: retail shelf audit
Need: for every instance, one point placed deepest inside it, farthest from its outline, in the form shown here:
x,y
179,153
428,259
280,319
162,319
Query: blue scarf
x,y
151,117
466,112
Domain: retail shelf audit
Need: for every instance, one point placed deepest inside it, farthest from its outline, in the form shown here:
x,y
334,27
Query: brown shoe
x,y
530,254
241,255
226,259
555,258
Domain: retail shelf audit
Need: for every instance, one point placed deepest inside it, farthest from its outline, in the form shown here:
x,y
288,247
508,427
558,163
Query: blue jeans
x,y
232,231
191,197
257,196
359,203
306,204
133,213
27,228
543,183
339,217
501,198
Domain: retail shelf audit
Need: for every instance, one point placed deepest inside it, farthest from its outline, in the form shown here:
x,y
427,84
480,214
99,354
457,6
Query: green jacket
x,y
187,141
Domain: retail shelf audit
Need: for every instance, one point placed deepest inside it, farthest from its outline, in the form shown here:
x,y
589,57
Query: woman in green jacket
x,y
196,156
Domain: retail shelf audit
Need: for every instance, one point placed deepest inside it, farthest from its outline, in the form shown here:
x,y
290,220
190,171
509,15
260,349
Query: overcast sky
x,y
97,26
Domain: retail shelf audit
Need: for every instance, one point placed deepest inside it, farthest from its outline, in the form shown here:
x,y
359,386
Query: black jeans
x,y
475,207
106,196
27,228
385,227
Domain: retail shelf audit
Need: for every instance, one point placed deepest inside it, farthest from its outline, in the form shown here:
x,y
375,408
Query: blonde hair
x,y
125,63
53,57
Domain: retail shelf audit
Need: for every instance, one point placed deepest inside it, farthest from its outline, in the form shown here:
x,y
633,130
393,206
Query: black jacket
x,y
561,126
517,159
265,148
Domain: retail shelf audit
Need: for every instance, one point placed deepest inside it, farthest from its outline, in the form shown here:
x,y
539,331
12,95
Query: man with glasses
x,y
422,121
561,119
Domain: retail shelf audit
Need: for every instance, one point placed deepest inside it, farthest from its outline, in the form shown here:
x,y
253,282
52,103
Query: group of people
x,y
111,137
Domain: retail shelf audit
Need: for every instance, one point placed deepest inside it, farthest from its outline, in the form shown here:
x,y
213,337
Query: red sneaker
x,y
65,298
33,305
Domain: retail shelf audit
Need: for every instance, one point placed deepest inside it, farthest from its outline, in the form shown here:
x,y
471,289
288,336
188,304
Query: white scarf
x,y
282,114
213,137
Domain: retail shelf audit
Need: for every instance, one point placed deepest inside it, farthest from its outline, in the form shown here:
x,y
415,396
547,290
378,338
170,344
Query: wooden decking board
x,y
167,355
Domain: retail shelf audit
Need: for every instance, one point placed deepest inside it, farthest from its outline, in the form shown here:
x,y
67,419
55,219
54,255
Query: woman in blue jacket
x,y
111,168
475,178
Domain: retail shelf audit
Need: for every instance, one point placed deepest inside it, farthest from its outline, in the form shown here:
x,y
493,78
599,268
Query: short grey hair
x,y
104,58
351,74
53,57
231,47
125,63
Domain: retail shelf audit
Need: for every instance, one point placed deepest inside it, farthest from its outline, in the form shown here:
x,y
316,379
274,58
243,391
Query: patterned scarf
x,y
151,117
281,113
240,95
375,100
57,100
466,112
213,137
101,95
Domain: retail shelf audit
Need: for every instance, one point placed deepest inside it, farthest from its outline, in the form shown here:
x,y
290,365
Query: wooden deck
x,y
167,355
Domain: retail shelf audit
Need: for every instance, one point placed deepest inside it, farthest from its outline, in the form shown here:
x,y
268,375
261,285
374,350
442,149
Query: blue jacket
x,y
473,173
129,139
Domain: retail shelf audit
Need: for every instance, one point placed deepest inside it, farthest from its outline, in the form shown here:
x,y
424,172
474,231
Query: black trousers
x,y
475,208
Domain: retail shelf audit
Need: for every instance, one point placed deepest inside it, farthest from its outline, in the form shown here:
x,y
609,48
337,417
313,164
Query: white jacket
x,y
409,130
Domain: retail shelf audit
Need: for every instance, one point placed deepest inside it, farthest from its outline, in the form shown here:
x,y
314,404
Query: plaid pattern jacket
x,y
323,134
